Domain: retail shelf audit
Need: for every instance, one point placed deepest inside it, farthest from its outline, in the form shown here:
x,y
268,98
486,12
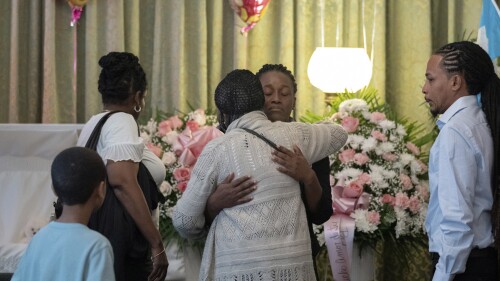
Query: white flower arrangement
x,y
381,161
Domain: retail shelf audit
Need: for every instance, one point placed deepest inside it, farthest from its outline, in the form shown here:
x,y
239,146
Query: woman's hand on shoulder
x,y
293,163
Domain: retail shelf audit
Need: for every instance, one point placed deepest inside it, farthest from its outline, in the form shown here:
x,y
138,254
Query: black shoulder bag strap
x,y
96,133
268,141
156,196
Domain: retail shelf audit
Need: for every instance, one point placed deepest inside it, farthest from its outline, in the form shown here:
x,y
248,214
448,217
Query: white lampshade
x,y
333,70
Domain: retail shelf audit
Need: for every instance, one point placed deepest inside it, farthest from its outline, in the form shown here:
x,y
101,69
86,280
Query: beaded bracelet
x,y
154,257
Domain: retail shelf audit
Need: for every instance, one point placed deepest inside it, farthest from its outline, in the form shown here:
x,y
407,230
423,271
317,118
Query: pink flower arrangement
x,y
178,140
382,162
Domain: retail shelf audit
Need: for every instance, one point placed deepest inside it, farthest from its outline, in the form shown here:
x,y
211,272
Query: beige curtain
x,y
186,47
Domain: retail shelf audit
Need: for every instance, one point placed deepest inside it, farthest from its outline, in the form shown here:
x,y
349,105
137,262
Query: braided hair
x,y
121,76
238,93
470,60
279,68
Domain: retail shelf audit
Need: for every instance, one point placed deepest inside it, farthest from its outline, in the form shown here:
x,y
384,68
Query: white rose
x,y
168,158
145,137
151,126
170,137
166,188
199,117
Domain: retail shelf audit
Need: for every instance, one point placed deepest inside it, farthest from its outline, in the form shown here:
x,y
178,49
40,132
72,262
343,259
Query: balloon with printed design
x,y
250,11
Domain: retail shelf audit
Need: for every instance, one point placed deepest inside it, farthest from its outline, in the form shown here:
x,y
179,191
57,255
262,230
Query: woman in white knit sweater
x,y
266,238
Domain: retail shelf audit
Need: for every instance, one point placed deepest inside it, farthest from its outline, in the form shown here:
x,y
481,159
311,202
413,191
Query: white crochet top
x,y
266,238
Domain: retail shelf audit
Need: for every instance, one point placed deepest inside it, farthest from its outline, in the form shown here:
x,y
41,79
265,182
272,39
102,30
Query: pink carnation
x,y
350,124
379,135
401,200
423,190
181,186
414,205
373,217
182,174
377,117
347,155
364,178
413,148
155,149
405,181
388,199
389,157
422,166
361,158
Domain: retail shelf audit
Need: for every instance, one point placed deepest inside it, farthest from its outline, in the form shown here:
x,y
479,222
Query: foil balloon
x,y
250,11
76,10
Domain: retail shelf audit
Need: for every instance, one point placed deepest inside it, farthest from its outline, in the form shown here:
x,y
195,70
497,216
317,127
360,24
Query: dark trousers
x,y
481,265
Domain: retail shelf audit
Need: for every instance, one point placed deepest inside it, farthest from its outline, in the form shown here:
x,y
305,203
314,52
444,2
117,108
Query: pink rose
x,y
405,181
155,149
192,125
182,186
350,124
364,178
413,148
352,190
182,174
164,127
189,145
361,158
347,155
401,200
388,199
414,205
175,122
389,157
373,217
379,135
377,117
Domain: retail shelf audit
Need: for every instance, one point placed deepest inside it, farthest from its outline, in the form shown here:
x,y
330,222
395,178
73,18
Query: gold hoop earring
x,y
137,108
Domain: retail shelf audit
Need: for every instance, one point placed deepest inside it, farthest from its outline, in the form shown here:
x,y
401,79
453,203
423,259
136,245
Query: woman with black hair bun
x,y
134,173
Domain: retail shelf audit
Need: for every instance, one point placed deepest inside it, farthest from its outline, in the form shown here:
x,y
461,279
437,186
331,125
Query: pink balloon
x,y
250,11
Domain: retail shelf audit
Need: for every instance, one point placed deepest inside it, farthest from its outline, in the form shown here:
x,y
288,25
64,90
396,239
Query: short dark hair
x,y
76,172
279,68
120,77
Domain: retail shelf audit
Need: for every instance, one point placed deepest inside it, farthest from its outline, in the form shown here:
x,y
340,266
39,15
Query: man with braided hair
x,y
462,221
266,238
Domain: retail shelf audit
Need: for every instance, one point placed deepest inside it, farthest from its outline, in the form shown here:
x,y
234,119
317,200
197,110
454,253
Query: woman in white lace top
x,y
266,238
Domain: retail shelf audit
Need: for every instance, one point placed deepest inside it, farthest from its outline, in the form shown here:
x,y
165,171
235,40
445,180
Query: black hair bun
x,y
115,63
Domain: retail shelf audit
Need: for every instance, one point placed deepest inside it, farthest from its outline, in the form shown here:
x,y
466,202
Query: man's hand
x,y
228,194
294,164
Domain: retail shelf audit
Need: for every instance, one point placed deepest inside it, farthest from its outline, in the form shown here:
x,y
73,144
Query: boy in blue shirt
x,y
66,249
